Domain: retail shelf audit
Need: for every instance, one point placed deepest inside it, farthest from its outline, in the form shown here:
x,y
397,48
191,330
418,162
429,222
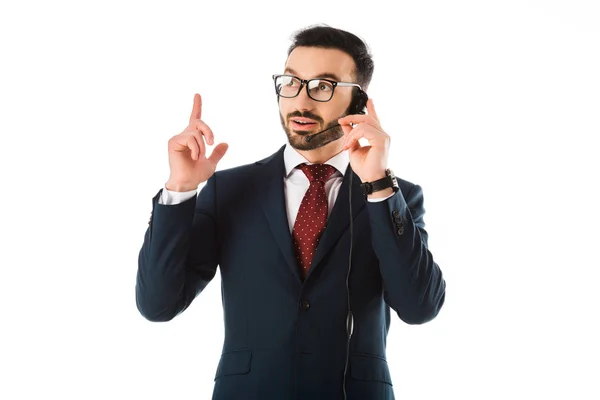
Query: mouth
x,y
303,124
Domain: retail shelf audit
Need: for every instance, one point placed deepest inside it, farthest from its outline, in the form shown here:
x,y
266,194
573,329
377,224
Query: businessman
x,y
307,288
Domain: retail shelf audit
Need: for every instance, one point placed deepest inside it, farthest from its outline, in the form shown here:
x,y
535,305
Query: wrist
x,y
179,187
374,177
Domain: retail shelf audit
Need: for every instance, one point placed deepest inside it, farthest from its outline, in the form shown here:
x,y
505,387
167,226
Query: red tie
x,y
312,215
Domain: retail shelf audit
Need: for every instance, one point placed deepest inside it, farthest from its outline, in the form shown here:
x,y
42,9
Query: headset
x,y
357,106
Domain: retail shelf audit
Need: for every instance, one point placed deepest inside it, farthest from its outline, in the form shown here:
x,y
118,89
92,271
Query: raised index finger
x,y
197,109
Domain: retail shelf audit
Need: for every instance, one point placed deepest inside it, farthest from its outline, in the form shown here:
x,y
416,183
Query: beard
x,y
297,139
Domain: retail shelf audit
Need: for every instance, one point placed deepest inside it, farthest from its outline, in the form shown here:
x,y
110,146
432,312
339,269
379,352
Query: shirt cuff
x,y
169,197
377,200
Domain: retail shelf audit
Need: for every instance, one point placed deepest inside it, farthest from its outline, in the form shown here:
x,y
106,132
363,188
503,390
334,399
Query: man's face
x,y
308,63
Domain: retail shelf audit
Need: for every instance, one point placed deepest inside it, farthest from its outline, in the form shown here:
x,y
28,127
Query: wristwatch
x,y
380,184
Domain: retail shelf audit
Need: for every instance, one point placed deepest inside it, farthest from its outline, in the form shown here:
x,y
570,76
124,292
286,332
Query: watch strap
x,y
386,182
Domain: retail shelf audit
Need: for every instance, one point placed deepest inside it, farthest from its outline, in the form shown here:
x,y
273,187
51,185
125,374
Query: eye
x,y
287,81
325,86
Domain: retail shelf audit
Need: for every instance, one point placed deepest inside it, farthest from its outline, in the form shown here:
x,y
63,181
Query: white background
x,y
493,108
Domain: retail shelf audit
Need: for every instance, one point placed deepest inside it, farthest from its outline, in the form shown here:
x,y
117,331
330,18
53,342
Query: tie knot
x,y
317,172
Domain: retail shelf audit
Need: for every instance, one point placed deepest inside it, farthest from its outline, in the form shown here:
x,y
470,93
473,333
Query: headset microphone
x,y
310,137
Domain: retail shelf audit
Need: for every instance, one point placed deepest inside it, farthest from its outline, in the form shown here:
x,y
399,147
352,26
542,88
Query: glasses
x,y
289,86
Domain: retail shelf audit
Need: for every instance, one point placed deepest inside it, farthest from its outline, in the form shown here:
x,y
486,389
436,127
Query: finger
x,y
218,153
352,138
353,119
360,132
200,139
191,143
366,132
197,108
347,129
355,146
206,131
359,118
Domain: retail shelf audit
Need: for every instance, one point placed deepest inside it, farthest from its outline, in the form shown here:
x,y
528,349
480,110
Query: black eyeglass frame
x,y
304,83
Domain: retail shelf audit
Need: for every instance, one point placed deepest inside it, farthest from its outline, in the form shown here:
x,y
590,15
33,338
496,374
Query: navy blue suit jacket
x,y
285,338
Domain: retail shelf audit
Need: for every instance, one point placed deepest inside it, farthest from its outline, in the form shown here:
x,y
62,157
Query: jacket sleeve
x,y
413,283
178,257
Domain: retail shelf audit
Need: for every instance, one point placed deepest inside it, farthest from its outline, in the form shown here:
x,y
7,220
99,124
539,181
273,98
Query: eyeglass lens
x,y
288,86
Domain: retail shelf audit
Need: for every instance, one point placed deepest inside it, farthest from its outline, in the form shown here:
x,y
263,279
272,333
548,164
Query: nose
x,y
303,100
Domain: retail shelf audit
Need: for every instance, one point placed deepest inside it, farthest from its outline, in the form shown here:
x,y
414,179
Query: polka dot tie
x,y
312,215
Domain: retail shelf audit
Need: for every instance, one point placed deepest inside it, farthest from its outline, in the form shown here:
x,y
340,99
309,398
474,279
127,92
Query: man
x,y
281,233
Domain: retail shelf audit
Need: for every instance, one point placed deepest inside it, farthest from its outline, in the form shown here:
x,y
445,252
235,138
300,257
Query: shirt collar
x,y
292,158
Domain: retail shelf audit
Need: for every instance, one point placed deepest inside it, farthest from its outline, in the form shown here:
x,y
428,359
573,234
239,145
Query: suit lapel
x,y
339,220
272,199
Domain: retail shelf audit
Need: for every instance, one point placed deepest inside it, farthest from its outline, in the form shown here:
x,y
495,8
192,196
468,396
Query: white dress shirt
x,y
295,184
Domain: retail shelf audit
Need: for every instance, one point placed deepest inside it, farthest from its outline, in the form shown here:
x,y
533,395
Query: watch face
x,y
395,185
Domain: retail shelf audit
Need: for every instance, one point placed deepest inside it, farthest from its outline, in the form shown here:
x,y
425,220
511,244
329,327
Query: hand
x,y
187,153
368,162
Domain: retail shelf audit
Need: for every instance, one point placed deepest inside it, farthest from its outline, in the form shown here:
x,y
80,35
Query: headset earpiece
x,y
362,102
359,102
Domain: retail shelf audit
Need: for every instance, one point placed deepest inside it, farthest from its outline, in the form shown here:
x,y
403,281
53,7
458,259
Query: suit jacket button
x,y
304,305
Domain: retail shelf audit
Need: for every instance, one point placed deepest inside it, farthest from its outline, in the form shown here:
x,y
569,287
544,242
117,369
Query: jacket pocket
x,y
369,368
234,363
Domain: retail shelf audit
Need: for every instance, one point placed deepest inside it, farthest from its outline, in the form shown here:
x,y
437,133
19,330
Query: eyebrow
x,y
323,75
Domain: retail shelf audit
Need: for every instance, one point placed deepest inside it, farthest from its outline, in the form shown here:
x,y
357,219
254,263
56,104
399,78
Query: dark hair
x,y
331,38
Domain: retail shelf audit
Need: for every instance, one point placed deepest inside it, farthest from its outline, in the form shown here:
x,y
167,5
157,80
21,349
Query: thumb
x,y
218,153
